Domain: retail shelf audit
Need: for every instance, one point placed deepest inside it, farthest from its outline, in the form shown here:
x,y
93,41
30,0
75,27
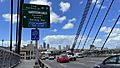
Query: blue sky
x,y
65,16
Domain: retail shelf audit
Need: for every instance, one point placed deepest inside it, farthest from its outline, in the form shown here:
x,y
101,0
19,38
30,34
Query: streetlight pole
x,y
20,28
2,42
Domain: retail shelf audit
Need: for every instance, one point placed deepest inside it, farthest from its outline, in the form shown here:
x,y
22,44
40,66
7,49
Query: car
x,y
62,58
43,58
51,57
110,62
79,55
71,56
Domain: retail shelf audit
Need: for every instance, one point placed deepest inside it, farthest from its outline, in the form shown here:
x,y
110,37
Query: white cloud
x,y
61,19
6,43
98,40
115,31
93,1
105,29
60,39
64,6
63,40
54,18
118,22
114,37
72,20
81,2
1,0
113,21
40,2
98,4
119,11
54,30
68,26
7,17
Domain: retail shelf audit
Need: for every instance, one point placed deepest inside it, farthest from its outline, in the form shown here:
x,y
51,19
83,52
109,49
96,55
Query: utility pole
x,y
11,25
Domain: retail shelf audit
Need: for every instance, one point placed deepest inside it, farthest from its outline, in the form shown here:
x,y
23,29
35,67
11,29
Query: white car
x,y
51,57
79,55
71,56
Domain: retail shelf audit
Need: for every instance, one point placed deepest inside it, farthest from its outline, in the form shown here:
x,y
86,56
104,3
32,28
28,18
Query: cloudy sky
x,y
65,17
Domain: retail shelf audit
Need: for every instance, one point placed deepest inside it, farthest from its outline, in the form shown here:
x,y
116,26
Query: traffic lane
x,y
86,62
90,60
55,64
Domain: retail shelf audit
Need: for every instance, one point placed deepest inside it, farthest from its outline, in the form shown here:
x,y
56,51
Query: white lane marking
x,y
63,65
81,63
91,61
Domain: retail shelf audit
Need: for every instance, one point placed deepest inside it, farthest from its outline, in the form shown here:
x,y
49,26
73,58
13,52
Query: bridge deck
x,y
26,64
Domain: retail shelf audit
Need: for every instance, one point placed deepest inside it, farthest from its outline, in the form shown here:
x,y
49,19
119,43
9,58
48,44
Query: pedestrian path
x,y
26,64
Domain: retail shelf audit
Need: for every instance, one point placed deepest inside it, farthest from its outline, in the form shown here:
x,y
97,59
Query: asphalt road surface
x,y
86,62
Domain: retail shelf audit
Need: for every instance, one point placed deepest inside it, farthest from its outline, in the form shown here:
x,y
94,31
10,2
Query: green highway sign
x,y
36,16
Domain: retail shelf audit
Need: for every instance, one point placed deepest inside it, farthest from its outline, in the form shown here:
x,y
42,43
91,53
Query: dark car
x,y
62,58
110,62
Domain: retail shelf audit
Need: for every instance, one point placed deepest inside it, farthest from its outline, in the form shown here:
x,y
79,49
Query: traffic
x,y
112,61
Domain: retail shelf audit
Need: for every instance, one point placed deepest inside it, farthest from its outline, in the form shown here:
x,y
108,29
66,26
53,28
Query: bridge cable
x,y
102,22
110,32
81,23
93,24
87,24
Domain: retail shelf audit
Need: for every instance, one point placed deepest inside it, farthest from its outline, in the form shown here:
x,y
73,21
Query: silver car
x,y
110,62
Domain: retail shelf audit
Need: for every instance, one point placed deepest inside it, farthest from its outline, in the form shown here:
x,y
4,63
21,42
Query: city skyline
x,y
65,17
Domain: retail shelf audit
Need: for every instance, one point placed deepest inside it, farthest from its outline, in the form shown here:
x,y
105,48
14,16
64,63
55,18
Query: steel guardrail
x,y
42,64
8,59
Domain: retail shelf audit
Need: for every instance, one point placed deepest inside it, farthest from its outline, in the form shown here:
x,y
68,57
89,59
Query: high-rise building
x,y
67,47
59,47
44,45
48,46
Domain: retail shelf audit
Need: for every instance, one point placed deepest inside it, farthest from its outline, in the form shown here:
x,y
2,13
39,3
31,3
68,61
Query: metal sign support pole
x,y
37,52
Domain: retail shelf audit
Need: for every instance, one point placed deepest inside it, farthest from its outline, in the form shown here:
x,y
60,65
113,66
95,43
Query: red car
x,y
62,58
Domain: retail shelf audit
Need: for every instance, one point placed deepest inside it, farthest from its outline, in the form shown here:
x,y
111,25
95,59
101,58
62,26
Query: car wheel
x,y
74,59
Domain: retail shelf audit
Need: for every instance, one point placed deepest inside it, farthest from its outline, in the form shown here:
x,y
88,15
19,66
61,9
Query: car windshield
x,y
71,54
37,33
63,55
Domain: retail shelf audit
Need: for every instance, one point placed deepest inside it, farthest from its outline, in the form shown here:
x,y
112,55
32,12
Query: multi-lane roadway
x,y
86,62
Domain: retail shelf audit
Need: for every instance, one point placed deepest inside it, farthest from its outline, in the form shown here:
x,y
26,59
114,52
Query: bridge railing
x,y
42,64
8,59
102,53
